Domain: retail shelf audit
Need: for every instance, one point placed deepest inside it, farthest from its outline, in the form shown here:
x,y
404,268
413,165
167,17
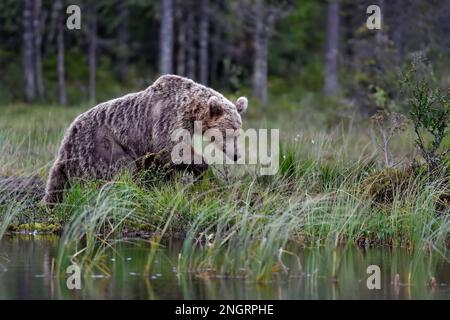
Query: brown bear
x,y
135,130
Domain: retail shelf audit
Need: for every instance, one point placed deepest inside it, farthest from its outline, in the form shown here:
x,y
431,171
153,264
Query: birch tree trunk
x,y
398,29
204,40
62,95
181,39
28,50
261,42
38,29
331,60
123,39
166,37
92,58
215,39
190,45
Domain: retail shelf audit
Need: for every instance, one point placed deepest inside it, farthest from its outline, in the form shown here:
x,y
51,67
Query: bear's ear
x,y
215,108
241,104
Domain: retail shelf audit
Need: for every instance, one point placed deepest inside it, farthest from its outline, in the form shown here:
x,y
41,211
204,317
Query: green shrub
x,y
429,112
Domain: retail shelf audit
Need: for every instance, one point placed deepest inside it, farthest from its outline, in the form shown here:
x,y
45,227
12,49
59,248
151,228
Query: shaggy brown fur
x,y
132,131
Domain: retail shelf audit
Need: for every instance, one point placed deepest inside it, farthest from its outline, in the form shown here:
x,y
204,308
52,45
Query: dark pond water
x,y
27,263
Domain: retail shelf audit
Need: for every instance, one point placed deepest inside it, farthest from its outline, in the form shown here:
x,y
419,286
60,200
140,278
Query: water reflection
x,y
27,271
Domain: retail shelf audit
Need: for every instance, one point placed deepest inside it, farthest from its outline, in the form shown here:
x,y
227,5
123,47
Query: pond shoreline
x,y
325,273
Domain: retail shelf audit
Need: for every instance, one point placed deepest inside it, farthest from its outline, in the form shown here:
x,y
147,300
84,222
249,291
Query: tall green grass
x,y
242,225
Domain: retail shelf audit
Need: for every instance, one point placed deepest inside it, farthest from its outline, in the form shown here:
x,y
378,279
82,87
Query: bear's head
x,y
225,117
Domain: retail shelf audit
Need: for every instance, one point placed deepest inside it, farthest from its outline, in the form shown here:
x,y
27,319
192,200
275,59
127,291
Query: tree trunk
x,y
331,63
53,22
261,42
380,36
190,46
204,40
28,50
123,39
38,29
398,28
166,37
92,59
181,53
215,40
62,96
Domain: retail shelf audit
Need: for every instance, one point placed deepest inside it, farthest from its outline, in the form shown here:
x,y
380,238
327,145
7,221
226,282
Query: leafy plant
x,y
429,112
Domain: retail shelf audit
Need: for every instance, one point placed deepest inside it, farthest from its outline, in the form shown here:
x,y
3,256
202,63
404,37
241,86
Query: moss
x,y
40,227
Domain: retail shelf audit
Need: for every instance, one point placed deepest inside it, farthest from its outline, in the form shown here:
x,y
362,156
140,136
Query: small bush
x,y
430,113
